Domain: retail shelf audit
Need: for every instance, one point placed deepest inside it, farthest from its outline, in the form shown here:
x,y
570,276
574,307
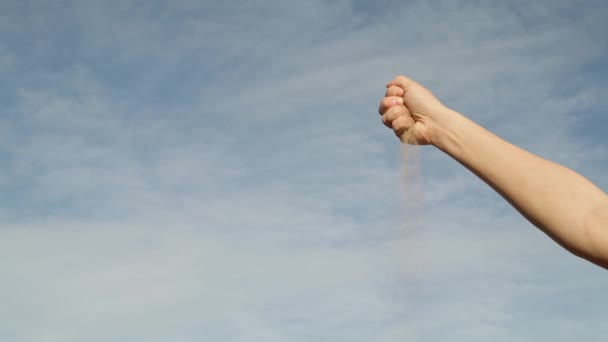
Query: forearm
x,y
562,203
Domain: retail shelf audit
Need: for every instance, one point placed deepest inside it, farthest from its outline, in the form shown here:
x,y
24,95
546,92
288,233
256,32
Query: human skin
x,y
560,202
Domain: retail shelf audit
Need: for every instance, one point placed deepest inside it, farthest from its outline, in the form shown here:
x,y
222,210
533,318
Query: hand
x,y
411,110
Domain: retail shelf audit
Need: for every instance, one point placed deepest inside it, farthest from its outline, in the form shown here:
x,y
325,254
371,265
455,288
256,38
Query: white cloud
x,y
194,171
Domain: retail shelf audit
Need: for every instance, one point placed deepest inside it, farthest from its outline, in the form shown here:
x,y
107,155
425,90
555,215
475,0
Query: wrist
x,y
445,131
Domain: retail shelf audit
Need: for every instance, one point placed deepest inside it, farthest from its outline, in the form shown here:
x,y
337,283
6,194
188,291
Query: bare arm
x,y
560,202
557,200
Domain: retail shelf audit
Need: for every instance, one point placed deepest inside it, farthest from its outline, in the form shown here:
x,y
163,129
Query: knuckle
x,y
392,101
398,91
385,119
385,102
402,122
394,91
392,113
398,123
399,132
399,111
385,105
382,108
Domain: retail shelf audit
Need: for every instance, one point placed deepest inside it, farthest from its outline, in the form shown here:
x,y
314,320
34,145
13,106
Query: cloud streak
x,y
197,171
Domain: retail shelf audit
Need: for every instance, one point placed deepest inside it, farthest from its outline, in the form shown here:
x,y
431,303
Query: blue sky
x,y
199,171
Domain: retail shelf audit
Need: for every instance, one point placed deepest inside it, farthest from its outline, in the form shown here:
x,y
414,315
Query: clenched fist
x,y
411,111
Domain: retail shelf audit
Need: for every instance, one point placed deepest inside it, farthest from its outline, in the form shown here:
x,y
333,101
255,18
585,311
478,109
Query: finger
x,y
402,124
394,113
400,81
389,102
394,91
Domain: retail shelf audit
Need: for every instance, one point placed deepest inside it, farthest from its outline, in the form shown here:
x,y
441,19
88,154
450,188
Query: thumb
x,y
401,81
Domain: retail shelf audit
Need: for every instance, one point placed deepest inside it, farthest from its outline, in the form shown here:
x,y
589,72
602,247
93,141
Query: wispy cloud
x,y
191,171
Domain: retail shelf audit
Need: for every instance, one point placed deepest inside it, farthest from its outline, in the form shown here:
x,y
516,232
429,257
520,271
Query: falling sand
x,y
411,183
